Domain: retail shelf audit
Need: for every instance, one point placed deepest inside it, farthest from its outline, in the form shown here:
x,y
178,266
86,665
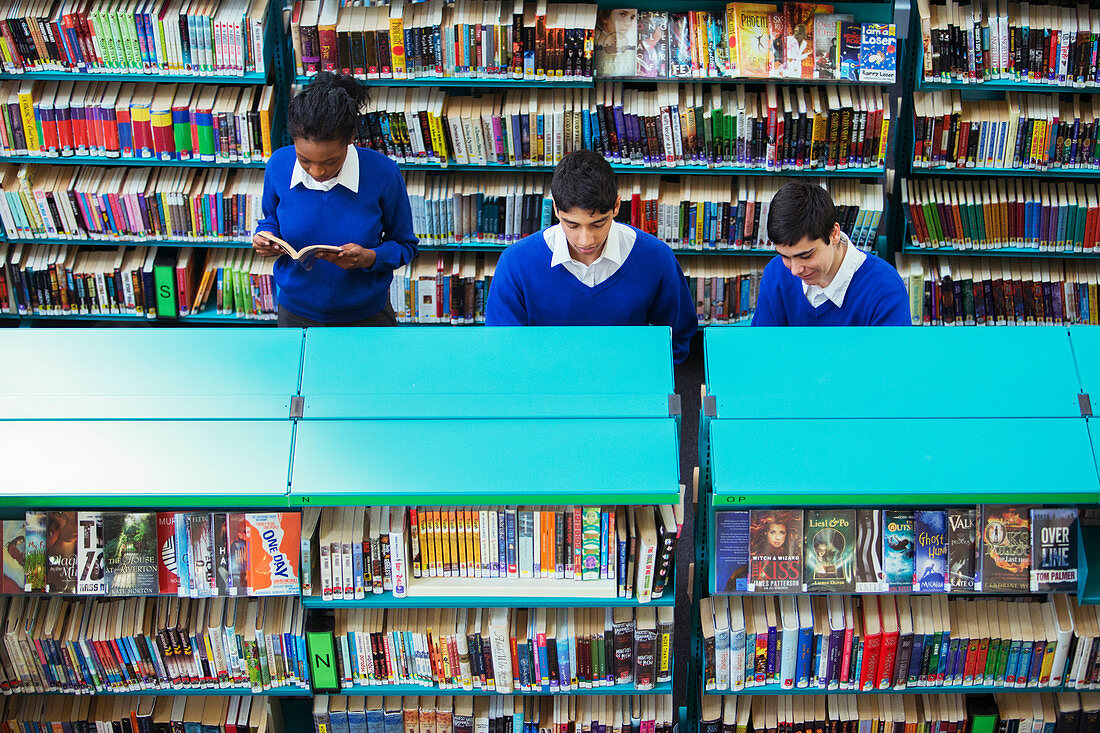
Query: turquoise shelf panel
x,y
133,243
143,464
994,86
152,374
252,78
1087,173
202,692
999,252
97,160
655,170
664,688
1085,341
891,372
497,461
551,372
1088,565
899,462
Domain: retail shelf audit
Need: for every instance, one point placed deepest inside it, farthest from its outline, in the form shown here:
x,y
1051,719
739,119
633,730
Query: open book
x,y
305,255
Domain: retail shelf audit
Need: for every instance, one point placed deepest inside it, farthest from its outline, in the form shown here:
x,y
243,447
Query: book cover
x,y
775,550
1006,548
731,552
718,35
961,549
616,41
61,538
777,45
830,550
221,554
274,540
753,40
798,26
930,529
898,549
851,35
35,558
652,44
878,53
167,557
870,576
200,543
238,554
15,554
826,34
130,553
679,45
89,553
1053,550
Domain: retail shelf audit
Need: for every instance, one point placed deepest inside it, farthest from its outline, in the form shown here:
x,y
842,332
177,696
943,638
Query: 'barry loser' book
x,y
731,552
1053,550
775,550
830,551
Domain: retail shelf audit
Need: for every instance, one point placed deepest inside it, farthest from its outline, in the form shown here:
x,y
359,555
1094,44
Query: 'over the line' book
x,y
1053,550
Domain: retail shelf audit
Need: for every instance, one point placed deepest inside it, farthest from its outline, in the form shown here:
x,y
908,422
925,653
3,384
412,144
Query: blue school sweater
x,y
875,297
648,289
378,217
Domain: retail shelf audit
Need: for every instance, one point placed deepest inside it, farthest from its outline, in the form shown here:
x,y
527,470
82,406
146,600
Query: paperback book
x,y
200,540
130,553
238,554
753,39
1053,550
679,45
61,538
89,552
878,53
851,36
830,551
167,565
799,21
826,34
15,549
34,567
731,552
274,541
775,550
870,573
616,42
1006,544
652,44
930,529
898,547
961,549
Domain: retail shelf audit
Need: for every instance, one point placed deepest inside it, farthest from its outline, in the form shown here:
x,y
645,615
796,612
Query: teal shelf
x,y
747,80
1085,341
478,82
252,78
486,247
196,692
1088,558
995,86
1088,173
233,244
1000,252
209,316
664,688
701,170
931,690
97,160
501,600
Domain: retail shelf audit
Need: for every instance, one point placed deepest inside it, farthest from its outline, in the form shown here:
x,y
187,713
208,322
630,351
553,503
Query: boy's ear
x,y
618,203
834,234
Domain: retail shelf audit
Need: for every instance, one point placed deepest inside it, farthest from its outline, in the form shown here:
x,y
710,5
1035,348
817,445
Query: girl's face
x,y
777,535
321,159
621,21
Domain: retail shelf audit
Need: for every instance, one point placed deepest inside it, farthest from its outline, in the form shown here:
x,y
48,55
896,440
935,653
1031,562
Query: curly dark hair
x,y
328,109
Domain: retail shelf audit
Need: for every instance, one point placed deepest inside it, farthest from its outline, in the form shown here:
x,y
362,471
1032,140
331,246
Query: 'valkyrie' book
x,y
961,549
775,550
1053,550
830,551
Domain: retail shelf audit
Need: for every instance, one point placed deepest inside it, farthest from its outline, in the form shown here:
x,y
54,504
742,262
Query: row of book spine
x,y
990,291
449,288
1046,216
897,642
78,646
194,37
472,39
1025,131
828,128
166,122
158,714
505,650
724,291
495,714
991,40
1064,712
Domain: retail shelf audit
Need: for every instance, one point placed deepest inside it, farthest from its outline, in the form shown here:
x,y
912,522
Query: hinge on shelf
x,y
1085,404
710,406
674,409
297,405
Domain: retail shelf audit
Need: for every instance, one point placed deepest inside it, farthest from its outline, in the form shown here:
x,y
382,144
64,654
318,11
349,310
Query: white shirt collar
x,y
620,241
836,290
348,177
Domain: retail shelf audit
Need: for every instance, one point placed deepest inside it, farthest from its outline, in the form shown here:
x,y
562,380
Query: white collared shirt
x,y
348,177
620,240
836,290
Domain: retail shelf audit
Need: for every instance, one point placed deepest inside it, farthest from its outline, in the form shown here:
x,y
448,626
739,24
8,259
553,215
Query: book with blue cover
x,y
898,551
930,530
731,552
878,52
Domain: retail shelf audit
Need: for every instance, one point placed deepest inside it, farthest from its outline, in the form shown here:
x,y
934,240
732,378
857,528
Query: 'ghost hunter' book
x,y
930,530
1006,544
775,550
130,553
961,549
731,552
898,549
1053,550
870,575
830,551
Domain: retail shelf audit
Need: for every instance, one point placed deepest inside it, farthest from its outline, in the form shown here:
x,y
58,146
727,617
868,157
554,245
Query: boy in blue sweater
x,y
819,278
590,270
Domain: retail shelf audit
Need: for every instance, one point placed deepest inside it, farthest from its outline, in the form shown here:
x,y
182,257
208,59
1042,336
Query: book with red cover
x,y
872,644
888,620
167,557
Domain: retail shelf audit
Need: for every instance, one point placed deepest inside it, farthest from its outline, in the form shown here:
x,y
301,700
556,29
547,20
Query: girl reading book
x,y
323,190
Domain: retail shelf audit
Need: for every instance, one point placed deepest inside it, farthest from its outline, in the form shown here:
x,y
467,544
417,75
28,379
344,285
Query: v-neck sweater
x,y
648,289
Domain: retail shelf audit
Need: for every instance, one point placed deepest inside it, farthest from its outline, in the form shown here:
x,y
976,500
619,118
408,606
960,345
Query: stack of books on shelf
x,y
1042,216
224,38
992,291
505,650
895,642
989,41
991,549
465,714
80,646
1024,131
140,281
475,39
167,122
751,40
623,552
129,205
724,291
1066,712
781,128
451,288
190,554
236,714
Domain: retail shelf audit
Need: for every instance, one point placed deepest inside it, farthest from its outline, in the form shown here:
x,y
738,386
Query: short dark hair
x,y
584,180
327,110
801,210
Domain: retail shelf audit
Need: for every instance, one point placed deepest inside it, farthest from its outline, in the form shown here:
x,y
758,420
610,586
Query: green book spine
x,y
182,132
1079,237
206,140
118,40
164,278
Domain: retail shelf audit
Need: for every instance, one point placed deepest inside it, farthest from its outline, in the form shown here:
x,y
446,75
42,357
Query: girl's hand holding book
x,y
265,247
350,256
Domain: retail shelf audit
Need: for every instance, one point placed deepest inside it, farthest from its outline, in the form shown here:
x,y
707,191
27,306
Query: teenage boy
x,y
590,270
819,278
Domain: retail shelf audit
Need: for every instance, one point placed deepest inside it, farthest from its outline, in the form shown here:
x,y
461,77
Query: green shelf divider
x,y
701,170
664,688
